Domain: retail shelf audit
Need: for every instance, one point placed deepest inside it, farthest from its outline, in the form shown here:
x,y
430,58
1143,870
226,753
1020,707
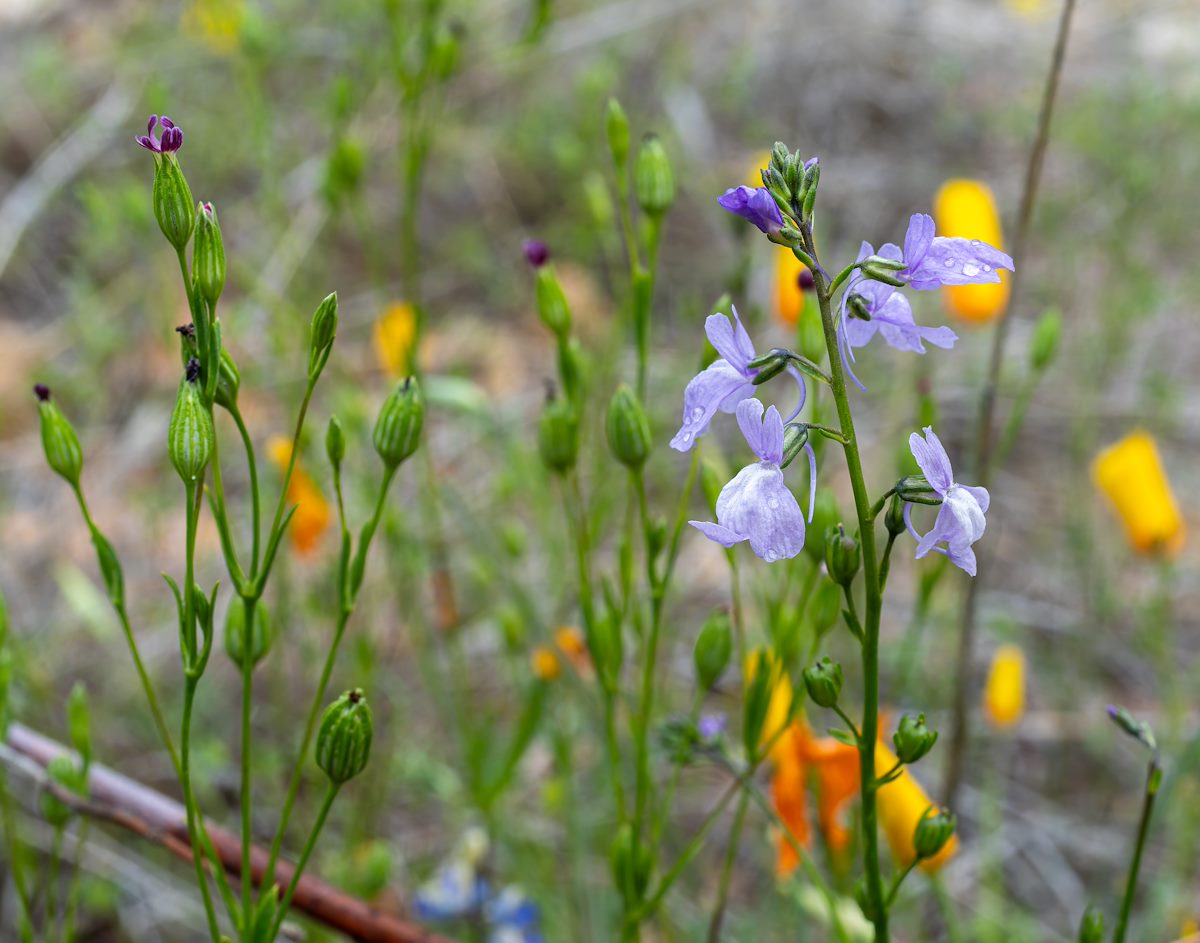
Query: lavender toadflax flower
x,y
755,204
724,383
170,141
960,521
757,505
932,261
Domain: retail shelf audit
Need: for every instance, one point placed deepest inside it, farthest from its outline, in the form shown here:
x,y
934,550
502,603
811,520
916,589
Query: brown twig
x,y
960,731
128,804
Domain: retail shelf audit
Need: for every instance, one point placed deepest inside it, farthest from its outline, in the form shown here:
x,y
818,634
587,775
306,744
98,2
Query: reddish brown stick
x,y
129,804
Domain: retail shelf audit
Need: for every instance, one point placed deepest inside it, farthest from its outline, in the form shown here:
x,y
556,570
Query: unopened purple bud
x,y
207,209
42,392
169,141
537,253
805,279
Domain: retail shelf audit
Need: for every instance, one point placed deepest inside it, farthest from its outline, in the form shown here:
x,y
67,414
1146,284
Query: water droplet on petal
x,y
974,242
769,556
697,413
773,504
686,437
987,268
948,263
970,269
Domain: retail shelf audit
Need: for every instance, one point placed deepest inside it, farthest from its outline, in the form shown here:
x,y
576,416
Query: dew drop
x,y
769,556
987,268
773,504
948,263
686,437
697,413
970,269
974,242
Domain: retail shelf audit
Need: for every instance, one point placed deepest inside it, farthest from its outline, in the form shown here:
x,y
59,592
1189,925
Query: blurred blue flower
x,y
456,890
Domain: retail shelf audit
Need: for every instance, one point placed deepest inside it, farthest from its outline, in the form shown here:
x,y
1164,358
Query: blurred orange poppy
x,y
1130,474
1004,693
966,209
393,336
902,803
312,512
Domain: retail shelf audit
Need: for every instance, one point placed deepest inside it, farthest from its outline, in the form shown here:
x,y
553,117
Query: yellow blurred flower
x,y
787,297
901,804
545,663
216,23
393,337
570,641
758,163
312,512
966,209
780,706
1004,694
1031,9
1131,476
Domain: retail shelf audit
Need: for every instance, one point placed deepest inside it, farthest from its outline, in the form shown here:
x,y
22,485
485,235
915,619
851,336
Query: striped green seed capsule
x,y
398,428
190,434
628,429
63,451
344,737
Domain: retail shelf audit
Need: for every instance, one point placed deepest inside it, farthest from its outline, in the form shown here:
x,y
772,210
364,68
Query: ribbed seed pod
x,y
174,207
63,451
398,428
208,254
628,429
190,434
344,737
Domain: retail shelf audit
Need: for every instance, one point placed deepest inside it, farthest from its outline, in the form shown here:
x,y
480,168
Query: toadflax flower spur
x,y
757,505
723,383
960,520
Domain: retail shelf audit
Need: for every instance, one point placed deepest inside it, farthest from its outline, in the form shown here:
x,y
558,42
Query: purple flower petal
x,y
764,433
708,391
730,340
932,459
757,505
754,204
918,238
722,535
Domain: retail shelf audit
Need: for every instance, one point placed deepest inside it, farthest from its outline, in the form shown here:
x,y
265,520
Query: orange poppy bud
x,y
966,209
1131,476
1004,694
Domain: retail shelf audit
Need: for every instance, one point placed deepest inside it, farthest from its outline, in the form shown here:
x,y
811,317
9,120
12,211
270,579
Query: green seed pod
x,y
174,207
398,428
344,169
812,177
558,436
893,519
714,648
631,864
1043,346
795,437
916,488
617,127
552,305
335,442
79,723
208,254
913,739
882,273
63,451
229,381
842,555
190,434
823,681
769,365
932,832
653,181
628,429
321,334
344,737
235,633
60,770
1091,927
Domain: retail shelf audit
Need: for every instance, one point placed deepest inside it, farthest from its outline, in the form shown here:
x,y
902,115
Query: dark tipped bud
x,y
795,437
537,253
842,556
208,254
398,428
174,207
190,433
769,365
79,722
616,125
335,442
344,737
1091,927
63,452
1043,346
558,436
893,518
552,305
653,180
714,648
805,280
229,381
321,334
859,307
913,739
628,429
932,832
823,681
631,864
235,633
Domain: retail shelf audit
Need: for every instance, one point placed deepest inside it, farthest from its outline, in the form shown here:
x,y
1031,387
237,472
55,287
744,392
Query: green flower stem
x,y
735,840
68,932
255,499
249,604
1153,781
322,815
898,880
886,564
649,663
349,600
873,599
52,914
194,818
16,860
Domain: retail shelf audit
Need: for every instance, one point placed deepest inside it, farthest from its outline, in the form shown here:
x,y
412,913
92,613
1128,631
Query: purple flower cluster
x,y
168,142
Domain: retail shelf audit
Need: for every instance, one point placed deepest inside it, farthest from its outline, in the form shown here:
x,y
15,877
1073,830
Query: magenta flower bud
x,y
536,252
169,141
42,392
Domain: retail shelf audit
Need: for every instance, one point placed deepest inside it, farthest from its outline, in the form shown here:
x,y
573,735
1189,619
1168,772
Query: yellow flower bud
x,y
902,803
1004,694
966,209
393,336
544,663
1131,476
